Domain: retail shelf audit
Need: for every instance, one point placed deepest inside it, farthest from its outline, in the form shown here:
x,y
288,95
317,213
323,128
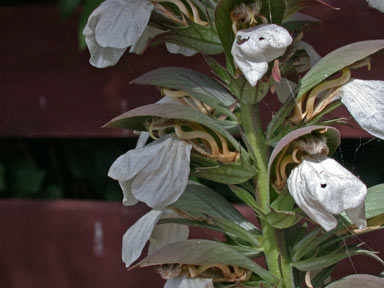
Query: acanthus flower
x,y
322,187
116,25
362,98
256,46
155,174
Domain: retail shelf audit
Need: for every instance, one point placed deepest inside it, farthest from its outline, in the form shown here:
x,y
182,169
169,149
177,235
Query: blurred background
x,y
61,219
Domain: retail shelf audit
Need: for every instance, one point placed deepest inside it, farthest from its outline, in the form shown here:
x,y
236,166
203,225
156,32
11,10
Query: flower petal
x,y
142,43
176,49
255,47
101,57
137,236
128,198
121,22
163,181
322,187
358,281
364,100
165,234
377,4
129,164
183,282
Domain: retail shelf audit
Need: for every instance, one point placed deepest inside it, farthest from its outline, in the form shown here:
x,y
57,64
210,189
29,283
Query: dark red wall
x,y
47,87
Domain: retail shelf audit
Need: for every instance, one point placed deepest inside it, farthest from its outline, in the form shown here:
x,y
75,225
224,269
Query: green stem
x,y
251,123
273,239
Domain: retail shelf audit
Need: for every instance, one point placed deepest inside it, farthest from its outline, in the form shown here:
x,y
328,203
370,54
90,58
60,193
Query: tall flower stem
x,y
273,239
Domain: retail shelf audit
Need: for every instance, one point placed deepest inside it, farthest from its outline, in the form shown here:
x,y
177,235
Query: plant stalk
x,y
273,239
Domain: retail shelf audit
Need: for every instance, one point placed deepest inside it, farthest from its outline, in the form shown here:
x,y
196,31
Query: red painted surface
x,y
48,89
59,244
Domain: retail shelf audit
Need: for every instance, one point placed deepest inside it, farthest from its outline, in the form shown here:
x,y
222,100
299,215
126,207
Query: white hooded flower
x,y
322,187
113,27
184,282
156,174
358,281
364,100
146,229
255,47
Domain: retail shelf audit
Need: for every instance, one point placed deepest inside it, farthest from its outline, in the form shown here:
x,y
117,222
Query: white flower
x,y
377,4
184,282
113,27
176,49
156,174
145,229
358,281
364,100
255,47
322,187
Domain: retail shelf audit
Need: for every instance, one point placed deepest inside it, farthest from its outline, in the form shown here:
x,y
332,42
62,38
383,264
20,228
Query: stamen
x,y
196,15
150,131
263,19
278,181
288,159
169,14
298,115
178,3
224,269
344,78
198,134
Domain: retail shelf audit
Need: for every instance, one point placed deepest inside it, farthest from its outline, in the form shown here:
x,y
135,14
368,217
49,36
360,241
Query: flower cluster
x,y
192,127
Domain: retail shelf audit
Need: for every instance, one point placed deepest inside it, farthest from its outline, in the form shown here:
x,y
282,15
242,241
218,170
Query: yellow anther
x,y
344,78
196,15
178,3
168,13
298,115
198,135
278,181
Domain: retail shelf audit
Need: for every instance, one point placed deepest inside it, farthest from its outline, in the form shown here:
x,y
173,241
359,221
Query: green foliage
x,y
194,36
198,252
198,85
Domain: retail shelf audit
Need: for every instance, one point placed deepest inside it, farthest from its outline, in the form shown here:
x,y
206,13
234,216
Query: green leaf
x,y
218,69
374,201
283,215
194,36
246,197
88,8
198,85
321,277
138,118
246,93
302,247
199,202
237,233
227,173
337,60
274,10
204,252
224,29
317,263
